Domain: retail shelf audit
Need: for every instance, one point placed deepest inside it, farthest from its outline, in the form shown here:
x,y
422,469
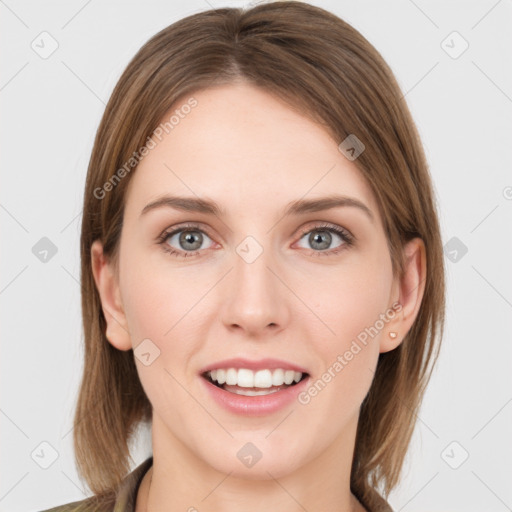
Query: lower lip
x,y
255,405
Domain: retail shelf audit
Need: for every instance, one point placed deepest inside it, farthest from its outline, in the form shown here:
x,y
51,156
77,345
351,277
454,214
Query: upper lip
x,y
255,365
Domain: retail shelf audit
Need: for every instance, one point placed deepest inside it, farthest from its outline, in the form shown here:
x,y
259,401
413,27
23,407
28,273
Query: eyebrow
x,y
298,207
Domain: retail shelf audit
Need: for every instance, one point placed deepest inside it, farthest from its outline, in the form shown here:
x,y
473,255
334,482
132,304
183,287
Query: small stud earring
x,y
392,334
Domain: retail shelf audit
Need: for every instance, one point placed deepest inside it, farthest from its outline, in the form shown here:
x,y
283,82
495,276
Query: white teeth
x,y
250,392
245,378
263,379
231,377
248,379
221,376
288,376
277,377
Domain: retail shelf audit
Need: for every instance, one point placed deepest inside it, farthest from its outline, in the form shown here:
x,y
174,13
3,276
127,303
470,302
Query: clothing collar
x,y
127,493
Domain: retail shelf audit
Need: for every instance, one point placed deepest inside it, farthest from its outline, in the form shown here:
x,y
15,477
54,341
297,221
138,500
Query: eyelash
x,y
347,238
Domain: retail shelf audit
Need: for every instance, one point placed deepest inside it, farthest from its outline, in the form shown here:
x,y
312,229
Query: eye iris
x,y
189,236
313,236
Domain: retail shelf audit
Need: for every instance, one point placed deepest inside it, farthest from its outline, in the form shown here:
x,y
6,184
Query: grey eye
x,y
188,240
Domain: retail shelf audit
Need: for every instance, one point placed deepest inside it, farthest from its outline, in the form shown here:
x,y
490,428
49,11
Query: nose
x,y
256,298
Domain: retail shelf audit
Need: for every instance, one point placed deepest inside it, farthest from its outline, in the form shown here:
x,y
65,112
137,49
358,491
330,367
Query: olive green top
x,y
126,496
124,501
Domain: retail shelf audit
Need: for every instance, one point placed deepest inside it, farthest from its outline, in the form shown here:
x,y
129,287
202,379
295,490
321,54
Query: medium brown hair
x,y
327,70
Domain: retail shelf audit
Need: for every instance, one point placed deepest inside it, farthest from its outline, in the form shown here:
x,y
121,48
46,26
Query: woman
x,y
281,358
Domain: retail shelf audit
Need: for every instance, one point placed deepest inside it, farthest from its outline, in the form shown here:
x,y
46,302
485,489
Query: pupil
x,y
317,239
190,238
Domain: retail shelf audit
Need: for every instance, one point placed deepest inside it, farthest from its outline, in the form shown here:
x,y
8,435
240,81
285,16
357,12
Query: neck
x,y
182,481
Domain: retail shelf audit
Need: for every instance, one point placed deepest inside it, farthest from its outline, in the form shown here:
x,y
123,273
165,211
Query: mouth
x,y
247,382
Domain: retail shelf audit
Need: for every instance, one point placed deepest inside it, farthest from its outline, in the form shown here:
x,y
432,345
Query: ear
x,y
408,292
108,288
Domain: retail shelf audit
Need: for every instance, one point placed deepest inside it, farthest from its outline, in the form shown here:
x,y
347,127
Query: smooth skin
x,y
298,301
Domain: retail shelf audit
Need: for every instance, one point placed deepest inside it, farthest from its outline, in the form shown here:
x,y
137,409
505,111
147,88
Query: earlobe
x,y
410,289
108,290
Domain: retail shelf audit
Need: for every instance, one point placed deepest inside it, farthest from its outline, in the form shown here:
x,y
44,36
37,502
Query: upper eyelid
x,y
324,225
187,227
317,225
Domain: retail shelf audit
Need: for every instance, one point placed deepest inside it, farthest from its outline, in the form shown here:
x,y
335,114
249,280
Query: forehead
x,y
246,149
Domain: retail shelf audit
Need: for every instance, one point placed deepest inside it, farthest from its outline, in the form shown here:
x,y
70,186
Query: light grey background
x,y
51,108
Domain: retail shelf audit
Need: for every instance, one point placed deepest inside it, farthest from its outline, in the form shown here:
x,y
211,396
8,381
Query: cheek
x,y
351,302
159,306
352,309
353,297
163,304
156,297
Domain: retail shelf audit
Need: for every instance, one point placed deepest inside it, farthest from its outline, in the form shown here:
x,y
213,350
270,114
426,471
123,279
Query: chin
x,y
254,460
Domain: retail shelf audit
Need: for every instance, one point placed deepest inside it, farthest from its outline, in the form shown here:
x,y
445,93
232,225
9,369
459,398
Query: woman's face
x,y
257,283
